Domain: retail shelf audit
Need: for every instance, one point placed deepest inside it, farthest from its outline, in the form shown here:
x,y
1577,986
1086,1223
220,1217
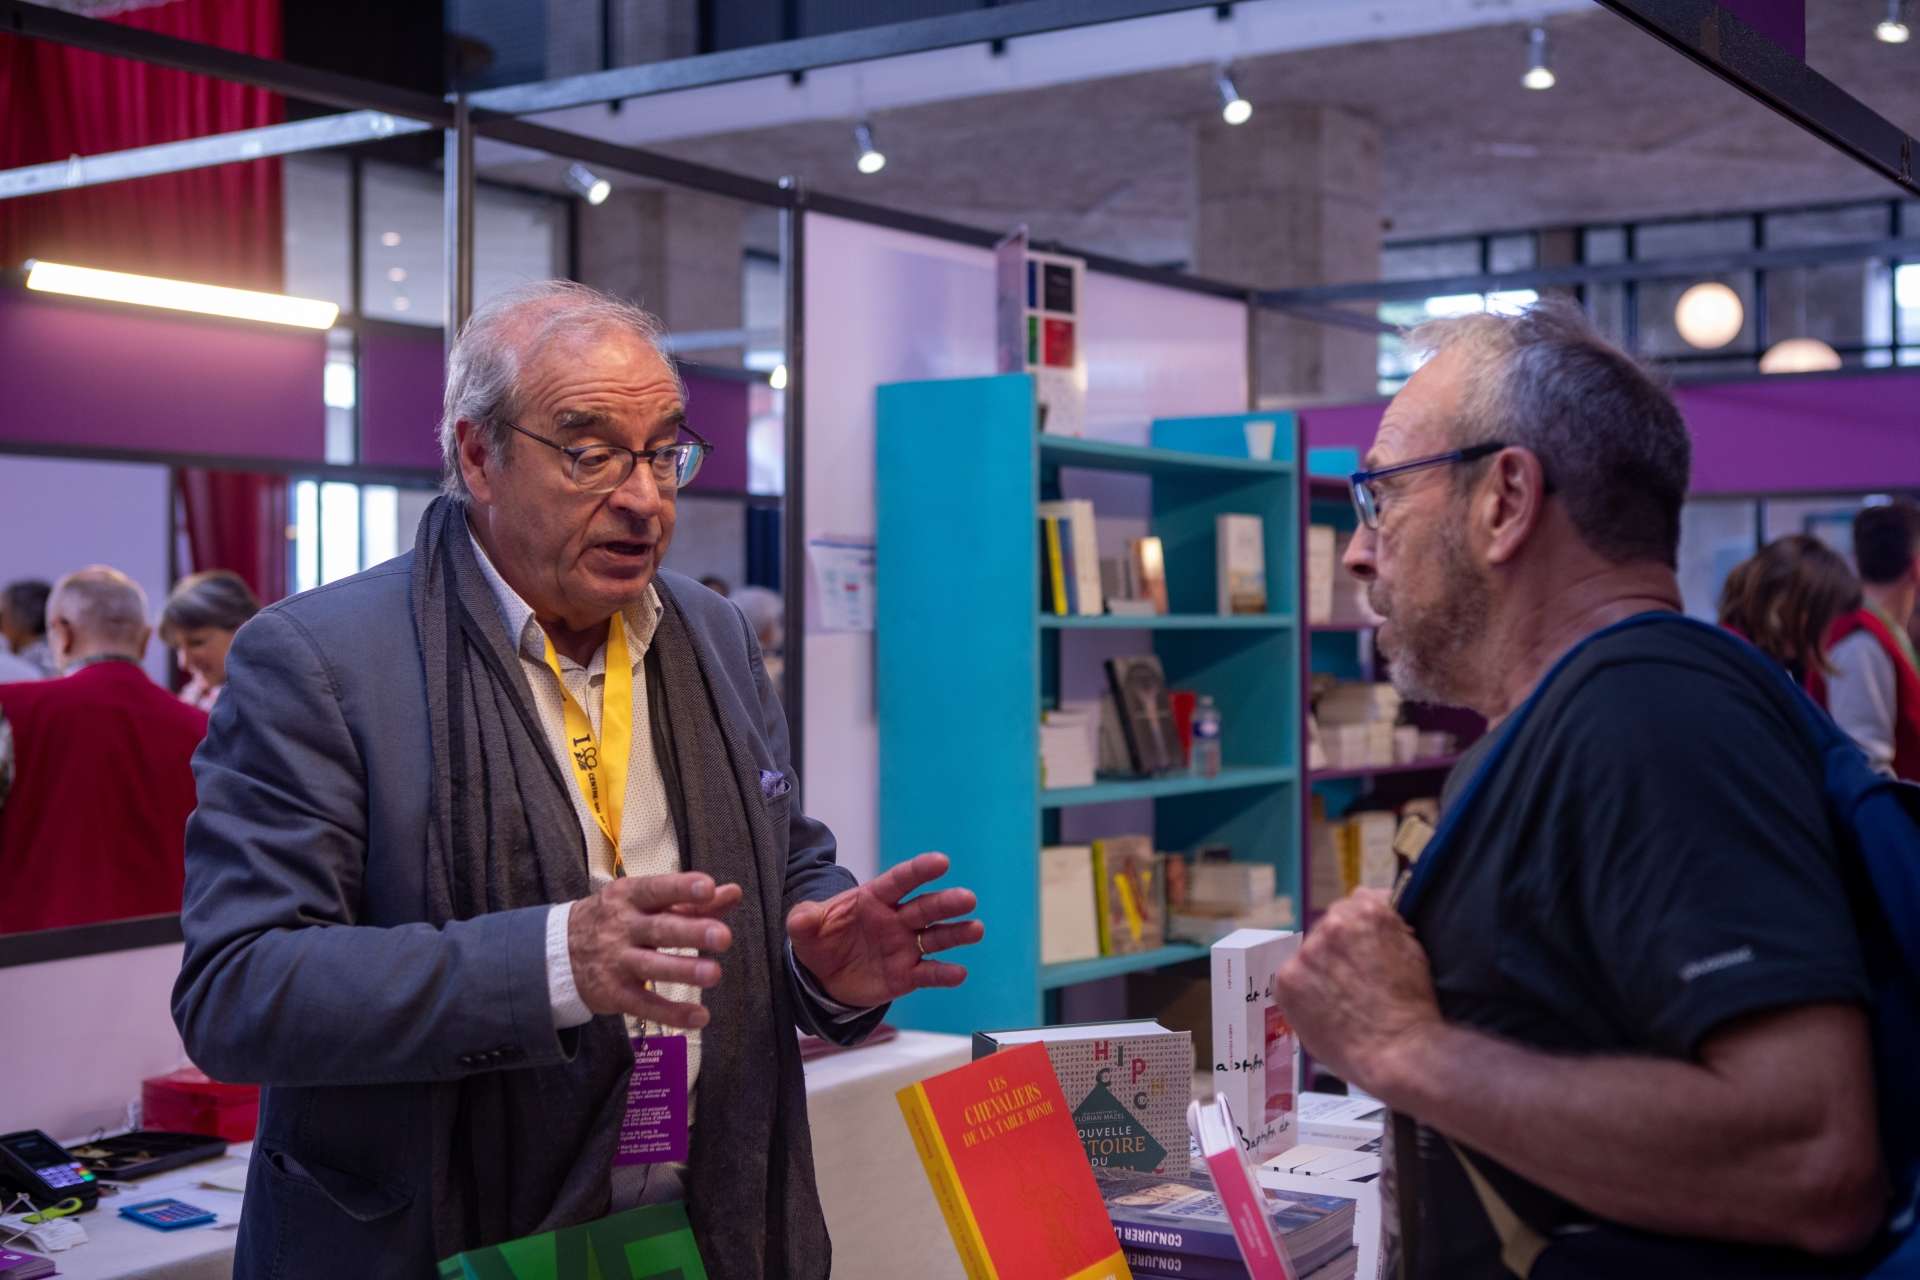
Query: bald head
x,y
96,612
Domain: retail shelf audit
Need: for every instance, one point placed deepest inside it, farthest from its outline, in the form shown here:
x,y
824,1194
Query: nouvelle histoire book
x,y
1256,1057
1000,1148
1127,1083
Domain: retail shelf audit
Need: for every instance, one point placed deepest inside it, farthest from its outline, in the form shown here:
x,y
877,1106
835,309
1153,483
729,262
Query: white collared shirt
x,y
648,842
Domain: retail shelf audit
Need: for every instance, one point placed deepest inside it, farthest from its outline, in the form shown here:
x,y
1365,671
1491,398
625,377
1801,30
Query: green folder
x,y
654,1243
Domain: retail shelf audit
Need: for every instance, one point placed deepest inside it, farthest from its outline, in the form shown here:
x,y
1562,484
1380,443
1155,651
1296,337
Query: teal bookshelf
x,y
965,663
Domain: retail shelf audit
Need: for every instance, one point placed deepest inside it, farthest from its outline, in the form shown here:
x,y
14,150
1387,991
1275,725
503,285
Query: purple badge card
x,y
654,1129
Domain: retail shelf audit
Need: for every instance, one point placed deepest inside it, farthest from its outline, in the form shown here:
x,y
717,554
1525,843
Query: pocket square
x,y
773,784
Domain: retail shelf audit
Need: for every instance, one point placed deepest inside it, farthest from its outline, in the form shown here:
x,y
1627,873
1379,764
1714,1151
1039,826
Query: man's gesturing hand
x,y
617,939
866,946
1359,989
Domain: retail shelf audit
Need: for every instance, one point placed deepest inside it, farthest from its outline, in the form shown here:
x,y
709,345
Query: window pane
x,y
1604,244
317,218
1906,293
380,516
1514,253
1829,226
1715,535
404,276
1659,330
1705,235
1832,303
339,531
1430,260
306,535
517,237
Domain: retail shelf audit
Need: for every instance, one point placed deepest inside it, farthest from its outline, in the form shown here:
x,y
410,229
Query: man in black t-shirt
x,y
1623,1032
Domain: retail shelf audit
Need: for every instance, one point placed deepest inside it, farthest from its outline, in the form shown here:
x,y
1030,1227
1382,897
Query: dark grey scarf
x,y
519,1152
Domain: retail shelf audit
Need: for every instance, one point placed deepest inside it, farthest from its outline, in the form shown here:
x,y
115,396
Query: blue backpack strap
x,y
1420,878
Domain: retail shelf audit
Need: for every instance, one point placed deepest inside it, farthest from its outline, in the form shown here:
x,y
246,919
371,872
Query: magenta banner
x,y
1846,433
91,375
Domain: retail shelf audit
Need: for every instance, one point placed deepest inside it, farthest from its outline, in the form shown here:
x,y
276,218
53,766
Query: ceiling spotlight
x,y
1709,315
777,380
1893,29
391,239
591,186
1539,75
870,159
1234,108
396,274
402,304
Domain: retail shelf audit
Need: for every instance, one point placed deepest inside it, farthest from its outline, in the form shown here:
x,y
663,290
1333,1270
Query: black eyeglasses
x,y
602,468
1366,499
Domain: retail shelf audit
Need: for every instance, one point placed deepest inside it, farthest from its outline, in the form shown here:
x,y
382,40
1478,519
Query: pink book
x,y
1263,1251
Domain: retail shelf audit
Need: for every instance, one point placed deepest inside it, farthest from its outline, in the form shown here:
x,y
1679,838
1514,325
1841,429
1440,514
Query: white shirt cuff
x,y
840,1012
568,1009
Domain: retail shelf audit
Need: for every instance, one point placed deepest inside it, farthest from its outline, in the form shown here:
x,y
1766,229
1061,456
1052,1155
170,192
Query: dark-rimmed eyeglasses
x,y
1367,499
602,468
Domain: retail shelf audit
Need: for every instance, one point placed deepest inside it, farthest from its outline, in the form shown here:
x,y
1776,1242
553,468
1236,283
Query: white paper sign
x,y
843,577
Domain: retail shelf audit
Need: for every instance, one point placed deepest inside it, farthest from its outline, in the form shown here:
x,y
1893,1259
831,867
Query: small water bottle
x,y
1205,761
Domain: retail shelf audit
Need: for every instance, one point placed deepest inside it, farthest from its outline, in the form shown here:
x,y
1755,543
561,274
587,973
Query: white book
x,y
1240,885
1322,572
1077,513
1069,930
1240,555
1066,751
1256,1056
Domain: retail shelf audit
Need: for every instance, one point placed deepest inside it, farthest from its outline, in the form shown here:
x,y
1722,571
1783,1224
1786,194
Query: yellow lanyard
x,y
600,767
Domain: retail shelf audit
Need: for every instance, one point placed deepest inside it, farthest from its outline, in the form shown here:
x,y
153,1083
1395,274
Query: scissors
x,y
62,1209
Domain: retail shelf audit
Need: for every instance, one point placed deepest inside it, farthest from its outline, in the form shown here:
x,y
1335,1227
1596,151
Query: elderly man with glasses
x,y
1616,1007
494,830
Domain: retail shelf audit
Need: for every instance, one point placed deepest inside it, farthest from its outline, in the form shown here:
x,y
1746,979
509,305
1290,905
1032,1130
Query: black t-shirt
x,y
1650,859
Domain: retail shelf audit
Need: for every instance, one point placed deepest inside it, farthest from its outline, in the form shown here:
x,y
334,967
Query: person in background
x,y
23,624
766,613
1620,1027
1874,691
94,823
717,585
198,622
1785,599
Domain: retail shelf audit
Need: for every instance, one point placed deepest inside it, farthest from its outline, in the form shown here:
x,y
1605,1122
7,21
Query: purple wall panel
x,y
1782,21
100,376
401,378
717,409
1772,435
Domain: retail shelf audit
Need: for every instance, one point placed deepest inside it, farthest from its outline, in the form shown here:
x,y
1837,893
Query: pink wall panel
x,y
96,375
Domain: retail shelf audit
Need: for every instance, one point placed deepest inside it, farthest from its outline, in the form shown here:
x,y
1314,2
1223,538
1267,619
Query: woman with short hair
x,y
198,622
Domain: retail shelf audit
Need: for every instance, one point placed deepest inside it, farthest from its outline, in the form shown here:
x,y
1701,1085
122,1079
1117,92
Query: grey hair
x,y
1609,438
103,605
501,337
214,598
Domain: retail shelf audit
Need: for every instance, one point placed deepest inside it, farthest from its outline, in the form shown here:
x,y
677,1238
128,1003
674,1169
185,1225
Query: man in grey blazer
x,y
477,823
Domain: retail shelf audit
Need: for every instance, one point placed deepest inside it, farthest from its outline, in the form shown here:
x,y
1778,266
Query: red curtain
x,y
220,226
236,520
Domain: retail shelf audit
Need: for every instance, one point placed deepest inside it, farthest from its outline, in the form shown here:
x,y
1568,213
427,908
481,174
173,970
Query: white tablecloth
x,y
879,1207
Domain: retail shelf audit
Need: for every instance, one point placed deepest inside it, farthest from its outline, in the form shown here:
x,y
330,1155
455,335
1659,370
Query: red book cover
x,y
1010,1174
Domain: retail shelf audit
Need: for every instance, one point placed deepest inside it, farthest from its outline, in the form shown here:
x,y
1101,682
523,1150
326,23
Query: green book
x,y
653,1243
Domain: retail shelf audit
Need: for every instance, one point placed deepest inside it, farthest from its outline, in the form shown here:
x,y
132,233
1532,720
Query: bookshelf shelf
x,y
1121,790
1167,622
1430,765
965,663
1055,976
1099,455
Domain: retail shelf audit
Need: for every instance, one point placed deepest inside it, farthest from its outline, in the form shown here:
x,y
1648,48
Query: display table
x,y
879,1207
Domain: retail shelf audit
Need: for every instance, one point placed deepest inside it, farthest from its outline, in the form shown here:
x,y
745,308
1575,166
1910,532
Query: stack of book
x,y
1069,747
1354,723
1069,559
1333,597
1178,1226
1223,895
1108,898
1366,849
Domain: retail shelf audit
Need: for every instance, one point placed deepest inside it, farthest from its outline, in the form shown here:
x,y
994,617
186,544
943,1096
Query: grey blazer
x,y
309,964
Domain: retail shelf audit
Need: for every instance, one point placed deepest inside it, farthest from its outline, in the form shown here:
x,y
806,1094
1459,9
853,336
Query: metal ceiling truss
x,y
1747,60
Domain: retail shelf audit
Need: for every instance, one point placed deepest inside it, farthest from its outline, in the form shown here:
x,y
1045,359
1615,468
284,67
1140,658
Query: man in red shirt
x,y
93,824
